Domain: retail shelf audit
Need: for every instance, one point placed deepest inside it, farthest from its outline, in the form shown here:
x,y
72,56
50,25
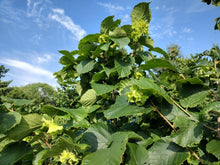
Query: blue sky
x,y
32,31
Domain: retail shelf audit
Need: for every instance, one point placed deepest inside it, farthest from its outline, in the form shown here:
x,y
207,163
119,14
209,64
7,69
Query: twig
x,y
195,155
210,128
45,142
218,120
155,108
182,76
181,108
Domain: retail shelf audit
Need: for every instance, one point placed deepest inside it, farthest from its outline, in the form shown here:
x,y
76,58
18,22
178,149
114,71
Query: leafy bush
x,y
132,108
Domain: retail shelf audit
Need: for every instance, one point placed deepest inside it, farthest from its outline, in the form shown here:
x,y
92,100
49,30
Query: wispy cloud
x,y
59,16
196,7
163,26
24,66
187,30
25,72
8,13
43,59
112,8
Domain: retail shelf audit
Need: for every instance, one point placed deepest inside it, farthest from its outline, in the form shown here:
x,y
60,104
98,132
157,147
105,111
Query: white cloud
x,y
43,59
27,67
112,8
24,73
59,16
187,30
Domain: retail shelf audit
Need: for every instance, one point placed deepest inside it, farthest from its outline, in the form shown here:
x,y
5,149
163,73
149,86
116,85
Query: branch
x,y
195,155
181,108
45,142
155,108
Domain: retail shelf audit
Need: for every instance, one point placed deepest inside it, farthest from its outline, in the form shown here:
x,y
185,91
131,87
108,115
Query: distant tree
x,y
174,52
42,93
4,84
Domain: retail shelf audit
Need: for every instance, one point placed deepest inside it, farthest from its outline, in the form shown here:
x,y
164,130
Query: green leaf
x,y
28,124
157,63
97,136
9,120
149,84
166,153
141,11
215,107
189,132
85,66
17,102
68,54
170,111
102,88
138,154
88,39
93,108
108,70
127,29
88,98
98,76
77,124
77,114
5,142
217,23
68,57
193,97
121,42
112,155
147,41
105,46
38,160
117,33
108,24
124,67
52,111
64,143
14,152
161,51
213,148
189,80
122,108
65,61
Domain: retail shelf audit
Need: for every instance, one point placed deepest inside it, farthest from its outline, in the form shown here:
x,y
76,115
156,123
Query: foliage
x,y
131,108
40,94
3,84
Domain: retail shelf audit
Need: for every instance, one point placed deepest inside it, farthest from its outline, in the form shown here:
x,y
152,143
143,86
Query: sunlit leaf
x,y
122,108
157,63
166,153
9,120
102,88
213,148
85,66
141,11
88,98
189,132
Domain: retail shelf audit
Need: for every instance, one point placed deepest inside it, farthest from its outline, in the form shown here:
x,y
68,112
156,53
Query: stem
x,y
195,155
182,76
210,128
155,108
218,120
181,108
45,142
